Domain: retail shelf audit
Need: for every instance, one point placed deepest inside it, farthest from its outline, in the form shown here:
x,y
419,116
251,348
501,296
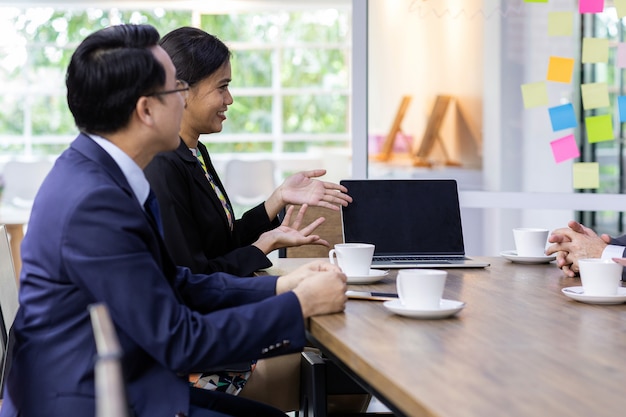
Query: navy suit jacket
x,y
195,226
89,241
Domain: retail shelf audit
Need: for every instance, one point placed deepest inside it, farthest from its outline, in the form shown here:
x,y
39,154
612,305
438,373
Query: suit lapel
x,y
94,152
200,179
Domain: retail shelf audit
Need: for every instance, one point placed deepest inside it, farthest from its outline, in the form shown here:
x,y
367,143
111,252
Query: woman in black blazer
x,y
199,226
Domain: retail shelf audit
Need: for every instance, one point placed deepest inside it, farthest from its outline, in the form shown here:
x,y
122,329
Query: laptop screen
x,y
412,217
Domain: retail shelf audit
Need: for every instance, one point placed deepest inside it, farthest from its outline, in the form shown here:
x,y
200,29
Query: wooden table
x,y
519,348
15,219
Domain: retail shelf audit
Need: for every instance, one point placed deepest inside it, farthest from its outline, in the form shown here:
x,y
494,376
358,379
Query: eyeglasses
x,y
182,87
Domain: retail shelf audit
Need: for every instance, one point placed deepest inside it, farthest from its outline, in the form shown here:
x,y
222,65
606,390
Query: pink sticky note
x,y
621,55
591,6
564,149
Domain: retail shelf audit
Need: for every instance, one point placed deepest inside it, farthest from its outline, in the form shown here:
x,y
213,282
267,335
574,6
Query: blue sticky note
x,y
621,103
562,117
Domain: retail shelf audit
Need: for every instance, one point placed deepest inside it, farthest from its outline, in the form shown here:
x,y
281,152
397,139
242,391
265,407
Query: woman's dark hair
x,y
195,53
108,73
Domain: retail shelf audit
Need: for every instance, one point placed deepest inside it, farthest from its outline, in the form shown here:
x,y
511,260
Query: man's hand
x,y
573,243
320,288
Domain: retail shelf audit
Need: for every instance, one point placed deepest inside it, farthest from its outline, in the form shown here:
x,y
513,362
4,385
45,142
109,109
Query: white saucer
x,y
578,294
511,255
373,276
446,308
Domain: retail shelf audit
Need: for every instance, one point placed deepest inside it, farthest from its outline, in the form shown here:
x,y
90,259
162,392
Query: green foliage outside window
x,y
293,61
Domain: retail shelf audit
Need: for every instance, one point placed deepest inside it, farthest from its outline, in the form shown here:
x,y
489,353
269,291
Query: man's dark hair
x,y
195,53
108,73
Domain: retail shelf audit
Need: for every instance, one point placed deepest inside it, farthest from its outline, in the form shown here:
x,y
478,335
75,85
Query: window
x,y
291,72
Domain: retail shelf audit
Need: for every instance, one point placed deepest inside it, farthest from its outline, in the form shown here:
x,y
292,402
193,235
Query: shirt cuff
x,y
613,251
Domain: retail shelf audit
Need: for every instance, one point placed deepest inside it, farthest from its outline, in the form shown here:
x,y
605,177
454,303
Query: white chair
x,y
249,183
8,302
22,180
111,400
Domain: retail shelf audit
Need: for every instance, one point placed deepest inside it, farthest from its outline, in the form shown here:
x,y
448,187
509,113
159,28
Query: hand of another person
x,y
573,243
621,261
290,234
303,188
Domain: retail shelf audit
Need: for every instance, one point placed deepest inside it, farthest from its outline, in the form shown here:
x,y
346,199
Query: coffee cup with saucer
x,y
419,295
355,260
530,246
601,282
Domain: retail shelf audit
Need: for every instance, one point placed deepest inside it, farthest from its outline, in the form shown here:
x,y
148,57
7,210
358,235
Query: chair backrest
x,y
111,400
249,182
8,301
330,230
22,180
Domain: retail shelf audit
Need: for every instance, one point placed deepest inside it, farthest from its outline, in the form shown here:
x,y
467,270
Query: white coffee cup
x,y
354,259
530,241
421,289
600,276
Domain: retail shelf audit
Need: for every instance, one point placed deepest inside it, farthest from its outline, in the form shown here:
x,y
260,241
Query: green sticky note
x,y
560,69
595,50
595,95
599,128
561,23
620,6
535,94
586,175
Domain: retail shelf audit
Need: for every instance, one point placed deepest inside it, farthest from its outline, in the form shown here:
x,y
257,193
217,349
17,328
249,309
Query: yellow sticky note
x,y
560,69
620,6
595,50
595,95
599,128
561,23
535,94
586,175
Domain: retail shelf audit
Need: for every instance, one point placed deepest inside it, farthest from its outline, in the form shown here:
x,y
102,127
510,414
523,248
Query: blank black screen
x,y
418,217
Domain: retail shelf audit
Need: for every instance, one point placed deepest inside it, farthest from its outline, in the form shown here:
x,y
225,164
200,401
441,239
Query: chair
x,y
330,230
249,183
111,400
8,303
22,180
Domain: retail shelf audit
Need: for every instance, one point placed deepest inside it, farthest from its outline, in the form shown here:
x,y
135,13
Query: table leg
x,y
16,233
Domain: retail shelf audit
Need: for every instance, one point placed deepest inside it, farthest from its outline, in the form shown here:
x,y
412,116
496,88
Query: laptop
x,y
412,223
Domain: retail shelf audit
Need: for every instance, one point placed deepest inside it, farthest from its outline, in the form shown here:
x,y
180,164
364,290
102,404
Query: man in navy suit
x,y
91,240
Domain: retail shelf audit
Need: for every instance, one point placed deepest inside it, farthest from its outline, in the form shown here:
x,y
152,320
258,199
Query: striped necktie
x,y
220,195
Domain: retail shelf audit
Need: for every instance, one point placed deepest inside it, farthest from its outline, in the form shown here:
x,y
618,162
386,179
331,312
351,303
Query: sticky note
x,y
620,6
562,117
535,94
560,69
591,6
599,128
560,23
621,104
565,149
595,95
586,175
595,50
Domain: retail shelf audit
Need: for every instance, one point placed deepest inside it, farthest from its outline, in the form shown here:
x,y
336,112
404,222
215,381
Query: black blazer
x,y
195,226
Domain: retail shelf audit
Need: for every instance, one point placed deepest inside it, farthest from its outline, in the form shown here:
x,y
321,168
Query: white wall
x,y
424,49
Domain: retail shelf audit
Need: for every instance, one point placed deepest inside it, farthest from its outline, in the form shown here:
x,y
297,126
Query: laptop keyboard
x,y
417,258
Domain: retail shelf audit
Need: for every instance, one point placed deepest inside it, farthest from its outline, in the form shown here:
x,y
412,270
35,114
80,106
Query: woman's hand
x,y
303,188
290,234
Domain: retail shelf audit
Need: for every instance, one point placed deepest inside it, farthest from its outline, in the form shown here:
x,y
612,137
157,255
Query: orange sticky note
x,y
560,69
